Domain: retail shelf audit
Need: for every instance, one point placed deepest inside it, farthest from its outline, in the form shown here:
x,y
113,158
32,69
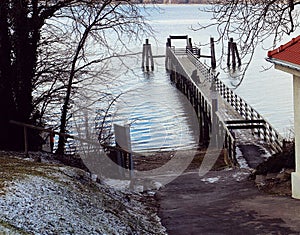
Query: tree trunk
x,y
19,36
65,108
8,139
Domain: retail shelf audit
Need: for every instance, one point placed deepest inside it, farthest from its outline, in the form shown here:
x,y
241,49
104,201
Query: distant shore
x,y
173,1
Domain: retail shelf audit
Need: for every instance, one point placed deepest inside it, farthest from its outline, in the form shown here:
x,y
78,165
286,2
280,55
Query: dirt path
x,y
224,202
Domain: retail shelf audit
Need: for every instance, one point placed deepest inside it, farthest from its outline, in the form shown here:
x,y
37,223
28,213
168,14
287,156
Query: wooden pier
x,y
225,119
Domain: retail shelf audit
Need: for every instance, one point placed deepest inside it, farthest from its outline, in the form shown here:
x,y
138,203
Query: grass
x,y
158,159
12,228
13,168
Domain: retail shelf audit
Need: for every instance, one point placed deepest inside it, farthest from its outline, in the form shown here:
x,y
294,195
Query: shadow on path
x,y
224,202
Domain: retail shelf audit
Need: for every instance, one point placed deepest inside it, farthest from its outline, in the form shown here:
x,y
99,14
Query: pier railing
x,y
202,105
265,132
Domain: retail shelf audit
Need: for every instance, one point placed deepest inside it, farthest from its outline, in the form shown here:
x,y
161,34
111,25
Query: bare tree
x,y
251,22
46,51
98,26
20,28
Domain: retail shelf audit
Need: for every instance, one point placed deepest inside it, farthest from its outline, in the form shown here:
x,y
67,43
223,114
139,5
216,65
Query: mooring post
x,y
233,46
190,45
151,58
143,56
233,52
213,53
229,51
147,56
237,55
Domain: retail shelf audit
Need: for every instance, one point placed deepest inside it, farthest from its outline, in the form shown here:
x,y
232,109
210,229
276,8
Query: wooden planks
x,y
236,119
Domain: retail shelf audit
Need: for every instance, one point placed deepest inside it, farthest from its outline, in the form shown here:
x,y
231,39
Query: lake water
x,y
160,117
269,92
156,110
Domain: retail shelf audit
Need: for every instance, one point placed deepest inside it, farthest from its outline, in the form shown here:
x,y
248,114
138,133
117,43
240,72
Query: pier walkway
x,y
225,119
223,201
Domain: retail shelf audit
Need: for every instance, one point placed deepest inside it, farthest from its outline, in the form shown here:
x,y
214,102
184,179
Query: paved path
x,y
225,202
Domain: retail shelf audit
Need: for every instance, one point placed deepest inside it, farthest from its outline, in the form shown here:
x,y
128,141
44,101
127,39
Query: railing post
x,y
25,141
206,111
214,106
190,45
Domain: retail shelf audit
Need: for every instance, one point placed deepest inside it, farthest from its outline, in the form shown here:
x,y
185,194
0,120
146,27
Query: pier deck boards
x,y
235,121
225,110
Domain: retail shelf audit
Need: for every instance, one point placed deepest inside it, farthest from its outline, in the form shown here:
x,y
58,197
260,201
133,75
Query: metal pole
x,y
25,141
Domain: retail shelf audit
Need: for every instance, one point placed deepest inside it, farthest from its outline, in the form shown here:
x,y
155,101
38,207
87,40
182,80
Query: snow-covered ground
x,y
40,198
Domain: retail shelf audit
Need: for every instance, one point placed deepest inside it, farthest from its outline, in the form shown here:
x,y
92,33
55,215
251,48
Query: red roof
x,y
289,52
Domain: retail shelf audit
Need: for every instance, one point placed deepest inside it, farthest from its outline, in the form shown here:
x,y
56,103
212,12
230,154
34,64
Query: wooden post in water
x,y
167,60
233,55
237,55
233,52
147,57
229,51
213,53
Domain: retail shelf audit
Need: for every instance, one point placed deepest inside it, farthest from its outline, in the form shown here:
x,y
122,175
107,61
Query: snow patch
x,y
239,176
136,185
211,180
65,202
240,159
117,184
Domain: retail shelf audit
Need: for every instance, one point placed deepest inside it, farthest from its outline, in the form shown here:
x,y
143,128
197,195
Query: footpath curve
x,y
224,202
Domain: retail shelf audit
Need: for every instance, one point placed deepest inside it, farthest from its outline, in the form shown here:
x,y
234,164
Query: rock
x,y
284,176
260,179
271,176
278,161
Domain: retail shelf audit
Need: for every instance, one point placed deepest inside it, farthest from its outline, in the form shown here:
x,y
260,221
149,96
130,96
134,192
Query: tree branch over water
x,y
252,22
51,50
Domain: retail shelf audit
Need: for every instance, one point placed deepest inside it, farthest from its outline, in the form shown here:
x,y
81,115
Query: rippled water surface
x,y
160,117
159,114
